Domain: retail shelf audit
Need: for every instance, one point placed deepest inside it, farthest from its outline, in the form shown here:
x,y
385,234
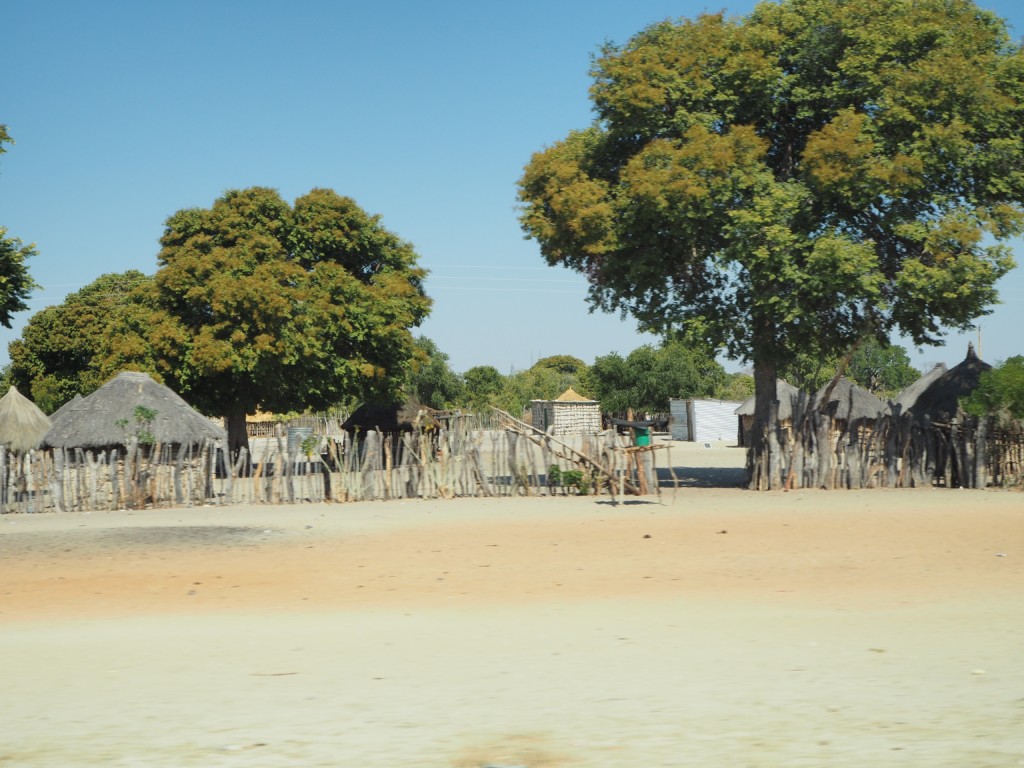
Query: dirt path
x,y
719,628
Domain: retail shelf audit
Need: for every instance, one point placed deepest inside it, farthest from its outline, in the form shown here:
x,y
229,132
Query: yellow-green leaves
x,y
844,163
567,209
815,172
286,308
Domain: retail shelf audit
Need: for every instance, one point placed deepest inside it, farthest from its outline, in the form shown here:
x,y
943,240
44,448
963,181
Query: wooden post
x,y
981,453
58,479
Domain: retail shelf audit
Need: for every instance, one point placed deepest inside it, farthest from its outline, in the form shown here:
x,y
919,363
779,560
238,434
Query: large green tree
x,y
795,180
284,307
73,347
648,377
484,384
16,284
564,364
1000,391
883,369
432,380
539,382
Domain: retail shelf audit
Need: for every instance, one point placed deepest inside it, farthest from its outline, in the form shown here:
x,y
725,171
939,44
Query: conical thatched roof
x,y
909,396
941,399
790,400
72,403
572,396
390,417
108,416
849,402
22,424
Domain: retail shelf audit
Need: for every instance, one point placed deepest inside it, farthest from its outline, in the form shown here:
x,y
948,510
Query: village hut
x,y
403,416
849,404
74,401
940,401
568,414
22,424
951,453
906,399
129,407
791,401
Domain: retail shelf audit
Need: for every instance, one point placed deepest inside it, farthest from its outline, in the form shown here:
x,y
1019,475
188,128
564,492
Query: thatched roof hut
x,y
909,396
849,402
572,396
22,424
568,414
790,400
110,417
941,399
390,417
72,403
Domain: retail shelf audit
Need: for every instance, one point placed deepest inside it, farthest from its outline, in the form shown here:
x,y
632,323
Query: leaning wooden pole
x,y
539,437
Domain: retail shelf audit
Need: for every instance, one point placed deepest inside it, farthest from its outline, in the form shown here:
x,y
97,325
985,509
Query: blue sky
x,y
124,113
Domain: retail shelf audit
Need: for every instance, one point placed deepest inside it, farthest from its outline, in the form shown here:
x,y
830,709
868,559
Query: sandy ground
x,y
712,627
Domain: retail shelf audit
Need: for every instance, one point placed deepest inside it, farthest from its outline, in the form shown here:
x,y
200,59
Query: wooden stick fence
x,y
448,462
464,461
898,452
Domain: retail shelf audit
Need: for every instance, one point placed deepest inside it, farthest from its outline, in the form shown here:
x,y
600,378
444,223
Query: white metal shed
x,y
702,420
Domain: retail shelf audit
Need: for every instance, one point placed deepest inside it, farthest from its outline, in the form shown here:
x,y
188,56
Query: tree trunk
x,y
237,436
759,474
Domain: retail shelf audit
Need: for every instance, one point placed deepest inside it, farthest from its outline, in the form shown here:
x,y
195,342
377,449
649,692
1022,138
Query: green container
x,y
642,435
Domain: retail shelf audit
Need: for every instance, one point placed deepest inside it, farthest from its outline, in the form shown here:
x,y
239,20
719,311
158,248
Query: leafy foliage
x,y
537,383
73,347
737,386
483,385
796,180
431,379
16,285
562,364
285,307
884,370
568,478
143,424
648,377
1000,391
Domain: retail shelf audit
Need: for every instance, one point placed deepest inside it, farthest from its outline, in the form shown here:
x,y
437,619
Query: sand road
x,y
718,627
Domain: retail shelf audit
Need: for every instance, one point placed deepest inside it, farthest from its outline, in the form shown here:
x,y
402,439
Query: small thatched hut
x,y
791,401
849,403
568,414
404,416
22,424
940,401
115,415
906,399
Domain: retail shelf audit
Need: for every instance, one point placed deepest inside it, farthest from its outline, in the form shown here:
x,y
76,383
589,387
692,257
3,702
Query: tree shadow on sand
x,y
701,477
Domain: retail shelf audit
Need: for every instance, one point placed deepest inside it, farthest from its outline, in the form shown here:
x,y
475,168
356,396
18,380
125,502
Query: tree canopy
x,y
795,180
1000,391
562,364
883,369
431,379
16,284
484,384
648,377
75,346
284,307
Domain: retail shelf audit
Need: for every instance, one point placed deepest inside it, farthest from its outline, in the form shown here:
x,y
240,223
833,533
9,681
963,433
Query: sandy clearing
x,y
719,627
